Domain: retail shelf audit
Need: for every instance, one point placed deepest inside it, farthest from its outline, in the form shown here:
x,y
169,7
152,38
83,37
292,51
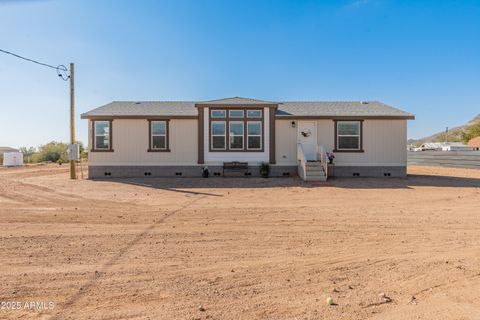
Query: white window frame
x,y
359,136
95,135
218,117
255,135
224,122
234,117
236,135
256,110
159,135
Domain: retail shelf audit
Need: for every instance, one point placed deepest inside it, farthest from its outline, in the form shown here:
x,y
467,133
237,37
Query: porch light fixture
x,y
293,124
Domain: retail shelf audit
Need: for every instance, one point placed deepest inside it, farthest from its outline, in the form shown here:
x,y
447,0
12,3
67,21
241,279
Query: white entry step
x,y
314,171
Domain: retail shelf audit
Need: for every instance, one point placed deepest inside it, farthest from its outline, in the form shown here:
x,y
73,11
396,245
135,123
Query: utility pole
x,y
73,174
446,135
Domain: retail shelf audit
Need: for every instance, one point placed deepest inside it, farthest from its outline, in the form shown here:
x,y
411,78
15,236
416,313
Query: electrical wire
x,y
62,71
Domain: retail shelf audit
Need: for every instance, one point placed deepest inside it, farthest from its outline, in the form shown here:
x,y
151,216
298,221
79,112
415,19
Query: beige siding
x,y
286,143
384,142
130,144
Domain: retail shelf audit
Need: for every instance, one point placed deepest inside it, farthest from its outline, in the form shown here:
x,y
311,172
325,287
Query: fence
x,y
461,159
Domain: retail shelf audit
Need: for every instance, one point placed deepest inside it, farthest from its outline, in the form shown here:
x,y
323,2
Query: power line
x,y
61,69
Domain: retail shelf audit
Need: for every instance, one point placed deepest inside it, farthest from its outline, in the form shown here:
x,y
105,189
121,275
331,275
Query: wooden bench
x,y
235,166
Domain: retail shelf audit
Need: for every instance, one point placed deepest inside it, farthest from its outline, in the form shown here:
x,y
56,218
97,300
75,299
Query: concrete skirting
x,y
178,171
367,171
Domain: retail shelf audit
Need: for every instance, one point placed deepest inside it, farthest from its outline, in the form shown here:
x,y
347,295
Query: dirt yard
x,y
238,248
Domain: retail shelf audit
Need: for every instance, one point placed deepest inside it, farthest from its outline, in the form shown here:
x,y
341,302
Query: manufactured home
x,y
179,138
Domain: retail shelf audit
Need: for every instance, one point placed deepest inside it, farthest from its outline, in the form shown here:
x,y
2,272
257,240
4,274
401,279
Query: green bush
x,y
471,132
51,152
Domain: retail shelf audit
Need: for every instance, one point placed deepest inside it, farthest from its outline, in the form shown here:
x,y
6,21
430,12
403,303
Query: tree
x,y
52,152
471,132
27,153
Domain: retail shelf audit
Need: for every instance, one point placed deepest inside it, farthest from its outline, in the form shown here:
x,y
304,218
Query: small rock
x,y
201,308
385,297
335,290
350,287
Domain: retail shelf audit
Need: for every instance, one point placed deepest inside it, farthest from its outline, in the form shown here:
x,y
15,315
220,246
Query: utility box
x,y
74,152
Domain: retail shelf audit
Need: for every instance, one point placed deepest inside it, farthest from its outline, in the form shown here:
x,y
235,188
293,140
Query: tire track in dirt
x,y
90,284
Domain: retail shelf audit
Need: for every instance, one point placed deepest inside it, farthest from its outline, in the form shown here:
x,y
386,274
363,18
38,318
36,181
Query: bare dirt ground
x,y
241,248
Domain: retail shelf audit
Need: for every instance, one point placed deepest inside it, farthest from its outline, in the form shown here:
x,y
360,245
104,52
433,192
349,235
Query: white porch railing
x,y
320,155
302,165
323,157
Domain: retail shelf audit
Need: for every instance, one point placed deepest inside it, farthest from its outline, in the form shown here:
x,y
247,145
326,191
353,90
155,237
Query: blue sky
x,y
420,56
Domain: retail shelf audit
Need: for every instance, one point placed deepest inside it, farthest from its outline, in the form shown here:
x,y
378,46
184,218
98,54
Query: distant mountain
x,y
454,134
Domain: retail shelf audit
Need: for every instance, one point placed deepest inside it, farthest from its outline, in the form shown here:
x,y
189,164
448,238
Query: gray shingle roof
x,y
340,109
237,100
285,109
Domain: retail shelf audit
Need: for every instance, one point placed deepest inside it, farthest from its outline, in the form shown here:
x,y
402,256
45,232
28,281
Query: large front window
x,y
236,129
348,135
101,135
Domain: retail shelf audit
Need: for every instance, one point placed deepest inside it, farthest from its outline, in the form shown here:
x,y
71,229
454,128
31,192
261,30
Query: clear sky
x,y
420,56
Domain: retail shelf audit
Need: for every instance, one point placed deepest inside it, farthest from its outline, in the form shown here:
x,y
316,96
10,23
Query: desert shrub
x,y
471,132
52,152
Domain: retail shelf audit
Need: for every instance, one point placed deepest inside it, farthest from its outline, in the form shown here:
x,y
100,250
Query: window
x,y
236,130
218,113
102,135
235,113
219,131
236,135
348,135
254,113
158,135
254,135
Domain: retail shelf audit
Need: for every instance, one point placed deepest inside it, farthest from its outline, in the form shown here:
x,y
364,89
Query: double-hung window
x,y
348,136
236,135
102,139
254,135
158,135
218,130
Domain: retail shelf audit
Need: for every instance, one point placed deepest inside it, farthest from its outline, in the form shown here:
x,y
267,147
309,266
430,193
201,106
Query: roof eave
x,y
345,117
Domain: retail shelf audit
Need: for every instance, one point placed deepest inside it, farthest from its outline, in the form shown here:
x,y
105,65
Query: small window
x,y
102,135
218,114
254,113
218,135
236,135
348,135
235,113
158,139
254,135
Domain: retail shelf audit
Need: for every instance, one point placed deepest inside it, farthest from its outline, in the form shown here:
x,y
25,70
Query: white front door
x,y
307,136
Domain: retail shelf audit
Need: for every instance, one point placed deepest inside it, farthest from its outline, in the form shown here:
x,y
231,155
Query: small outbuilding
x,y
474,143
12,159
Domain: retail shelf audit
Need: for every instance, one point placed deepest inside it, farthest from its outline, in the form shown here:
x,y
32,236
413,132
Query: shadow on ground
x,y
184,185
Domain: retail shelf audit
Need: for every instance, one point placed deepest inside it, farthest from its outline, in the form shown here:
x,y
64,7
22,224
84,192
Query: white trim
x,y
219,135
238,135
95,135
158,135
255,135
359,136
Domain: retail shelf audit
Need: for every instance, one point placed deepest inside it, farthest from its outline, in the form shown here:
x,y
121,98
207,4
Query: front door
x,y
307,136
